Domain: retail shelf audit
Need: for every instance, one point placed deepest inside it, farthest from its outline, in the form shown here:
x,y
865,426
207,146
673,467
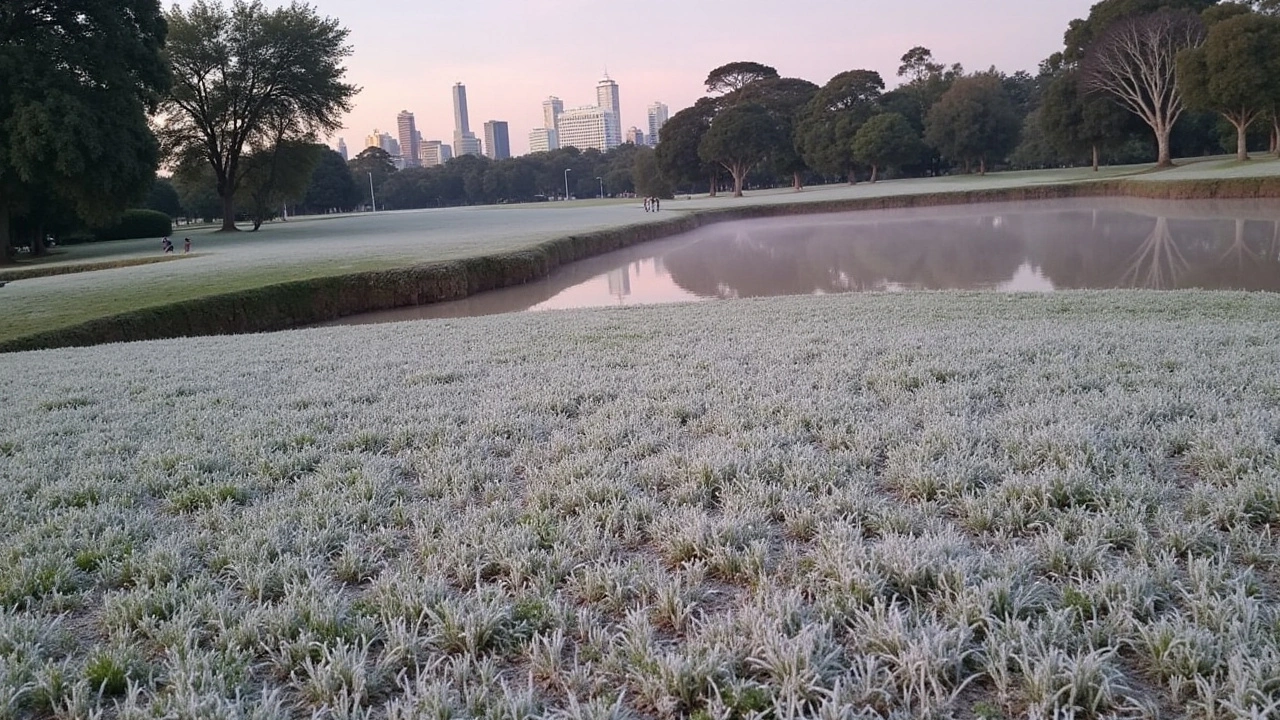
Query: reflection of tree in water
x,y
1158,263
809,258
1110,248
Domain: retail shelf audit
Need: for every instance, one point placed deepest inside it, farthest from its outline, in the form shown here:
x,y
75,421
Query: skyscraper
x,y
342,149
635,136
543,139
464,141
607,99
408,138
551,109
435,152
657,118
497,140
589,127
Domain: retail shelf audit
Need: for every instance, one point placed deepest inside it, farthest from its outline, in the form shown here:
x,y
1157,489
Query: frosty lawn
x,y
327,247
854,506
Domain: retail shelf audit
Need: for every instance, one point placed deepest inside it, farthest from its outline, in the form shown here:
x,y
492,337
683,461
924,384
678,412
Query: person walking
x,y
657,204
186,246
646,204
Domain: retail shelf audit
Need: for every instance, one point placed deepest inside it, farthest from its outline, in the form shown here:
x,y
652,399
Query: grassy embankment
x,y
311,271
855,506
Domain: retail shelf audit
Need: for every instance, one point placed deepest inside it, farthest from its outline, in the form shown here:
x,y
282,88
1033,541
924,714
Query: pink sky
x,y
511,54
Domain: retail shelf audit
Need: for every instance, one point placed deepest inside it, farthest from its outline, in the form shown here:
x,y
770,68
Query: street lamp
x,y
601,188
372,200
566,182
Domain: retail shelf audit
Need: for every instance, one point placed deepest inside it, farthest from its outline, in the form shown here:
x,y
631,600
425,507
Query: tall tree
x,y
886,139
1236,72
831,120
77,81
371,168
333,186
740,138
163,197
244,71
785,99
680,138
974,121
1079,124
737,75
277,176
1135,62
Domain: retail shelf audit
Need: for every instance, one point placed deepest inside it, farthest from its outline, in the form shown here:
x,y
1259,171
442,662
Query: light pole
x,y
601,188
566,182
372,200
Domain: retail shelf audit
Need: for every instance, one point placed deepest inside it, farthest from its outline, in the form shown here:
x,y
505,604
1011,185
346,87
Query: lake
x,y
1000,247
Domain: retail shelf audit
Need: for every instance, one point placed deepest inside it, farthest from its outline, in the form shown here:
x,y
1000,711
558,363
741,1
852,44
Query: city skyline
x,y
511,78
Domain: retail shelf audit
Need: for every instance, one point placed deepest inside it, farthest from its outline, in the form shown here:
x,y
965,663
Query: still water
x,y
1005,247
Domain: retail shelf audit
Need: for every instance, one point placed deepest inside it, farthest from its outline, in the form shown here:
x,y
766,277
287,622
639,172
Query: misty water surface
x,y
1004,247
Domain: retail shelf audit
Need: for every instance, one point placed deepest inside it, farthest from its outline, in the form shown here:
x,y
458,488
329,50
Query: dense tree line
x,y
1136,81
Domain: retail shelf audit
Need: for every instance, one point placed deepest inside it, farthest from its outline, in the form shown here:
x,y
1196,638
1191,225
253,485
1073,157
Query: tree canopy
x,y
886,139
247,78
77,81
680,138
974,121
740,138
1236,72
737,75
826,130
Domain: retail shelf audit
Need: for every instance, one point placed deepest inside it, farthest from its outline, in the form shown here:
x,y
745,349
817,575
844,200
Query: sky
x,y
512,54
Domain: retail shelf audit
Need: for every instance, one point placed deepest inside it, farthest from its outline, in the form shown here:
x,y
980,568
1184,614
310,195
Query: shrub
x,y
137,224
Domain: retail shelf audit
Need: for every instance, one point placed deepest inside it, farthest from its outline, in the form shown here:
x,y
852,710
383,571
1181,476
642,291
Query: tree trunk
x,y
1275,136
739,177
715,182
5,258
229,213
968,167
982,166
37,242
795,180
875,173
1095,157
1242,139
853,177
1164,158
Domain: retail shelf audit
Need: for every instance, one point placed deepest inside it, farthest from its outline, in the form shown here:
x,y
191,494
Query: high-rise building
x,y
383,140
497,140
635,136
589,127
435,152
408,132
657,118
543,139
342,149
551,109
607,99
464,141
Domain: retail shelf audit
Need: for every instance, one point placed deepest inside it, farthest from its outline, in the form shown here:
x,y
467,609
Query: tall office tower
x,y
635,136
417,138
497,140
607,99
464,141
551,109
435,153
446,152
543,139
589,127
342,149
657,118
408,138
374,140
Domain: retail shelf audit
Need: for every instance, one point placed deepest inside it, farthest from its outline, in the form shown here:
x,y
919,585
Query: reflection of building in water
x,y
620,282
660,268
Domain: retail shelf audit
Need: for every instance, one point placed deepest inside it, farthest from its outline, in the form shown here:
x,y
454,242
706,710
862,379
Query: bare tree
x,y
1136,62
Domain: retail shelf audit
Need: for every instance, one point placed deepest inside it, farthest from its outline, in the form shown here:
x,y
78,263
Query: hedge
x,y
135,224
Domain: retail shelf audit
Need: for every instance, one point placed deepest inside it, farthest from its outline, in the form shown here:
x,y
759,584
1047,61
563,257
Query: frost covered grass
x,y
838,507
301,250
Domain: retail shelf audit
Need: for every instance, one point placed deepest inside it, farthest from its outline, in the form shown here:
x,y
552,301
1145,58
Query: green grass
x,y
922,505
311,248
